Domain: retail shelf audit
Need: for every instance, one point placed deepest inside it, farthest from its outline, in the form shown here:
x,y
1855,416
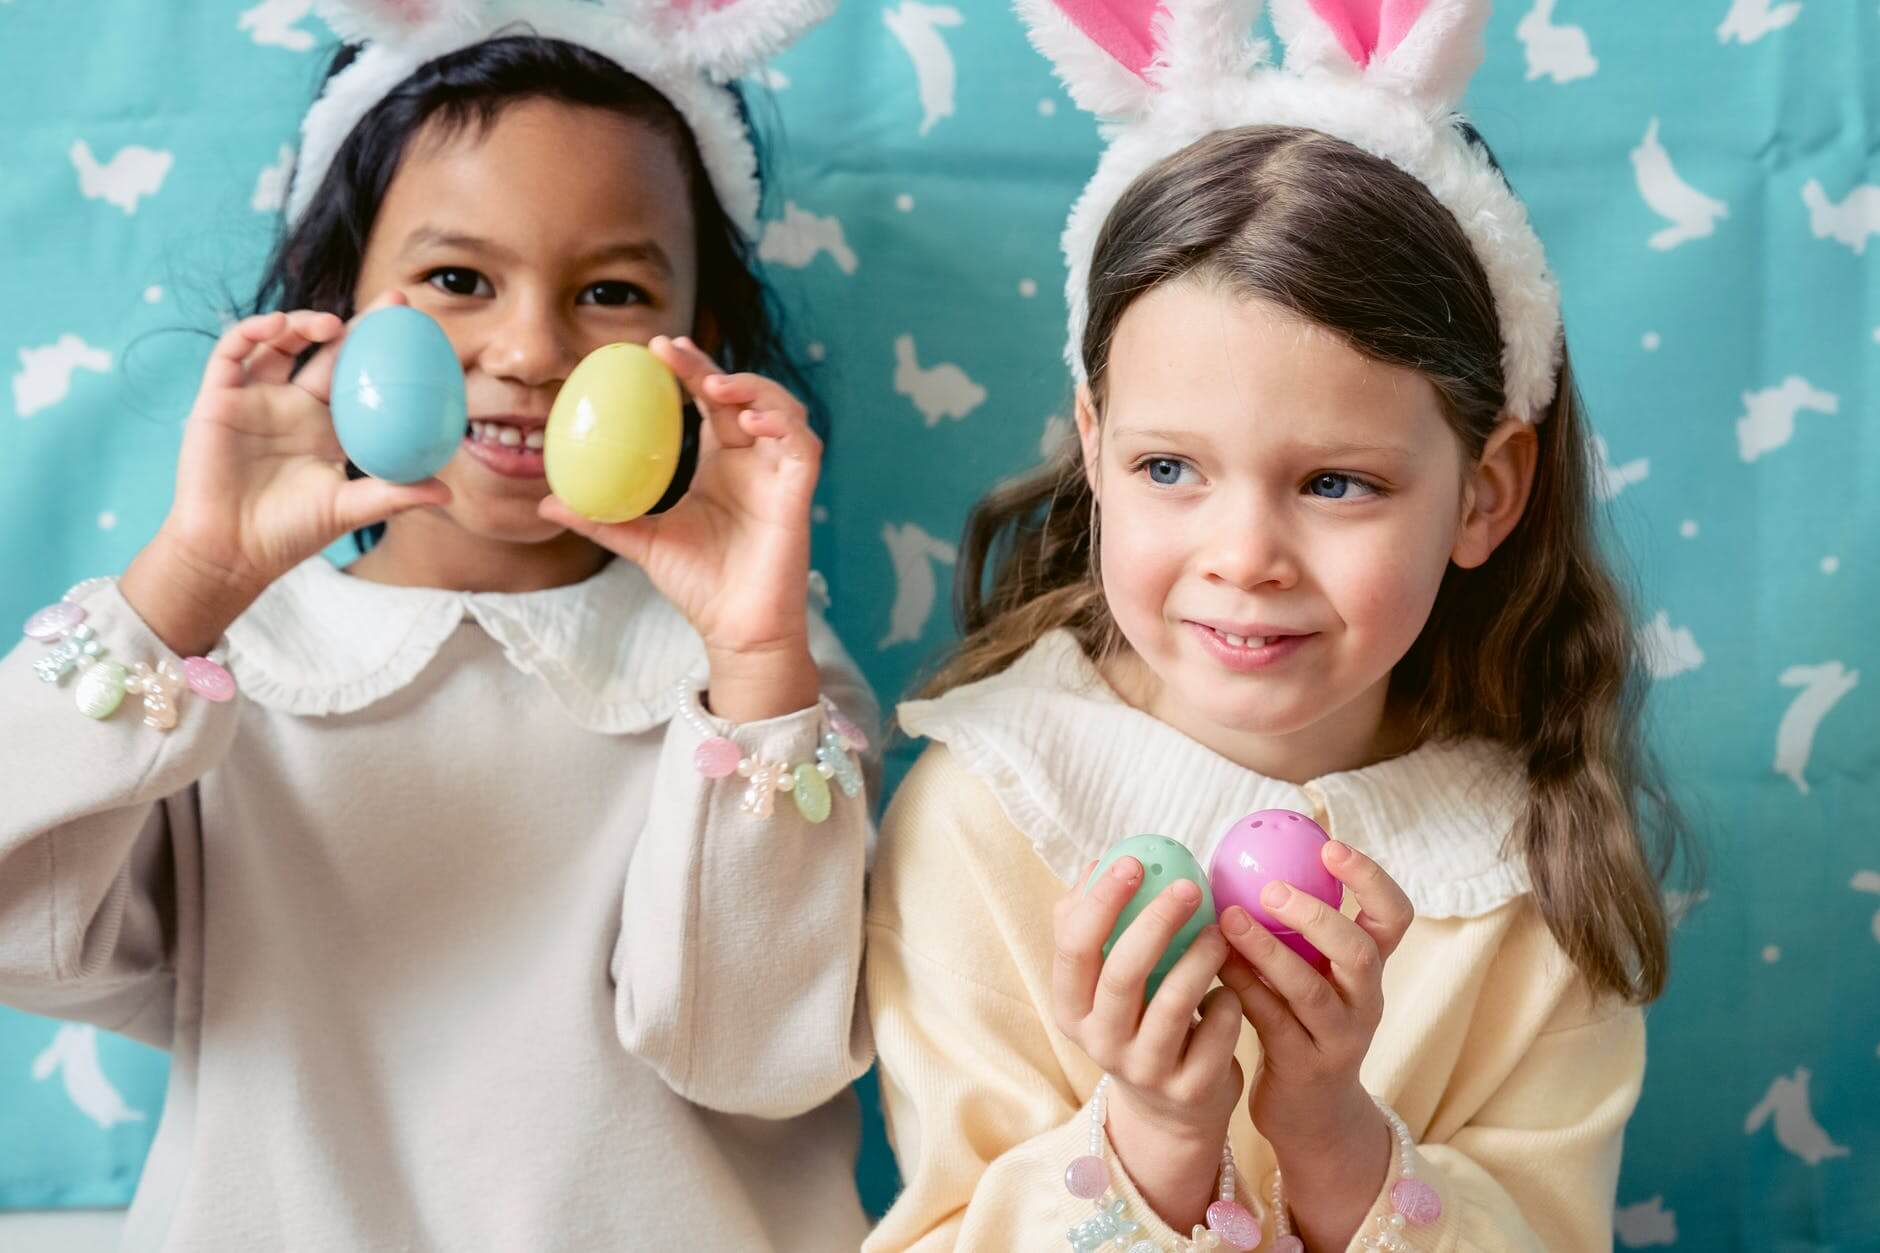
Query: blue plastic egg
x,y
398,398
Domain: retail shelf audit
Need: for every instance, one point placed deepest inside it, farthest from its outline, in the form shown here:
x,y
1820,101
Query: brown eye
x,y
457,280
614,293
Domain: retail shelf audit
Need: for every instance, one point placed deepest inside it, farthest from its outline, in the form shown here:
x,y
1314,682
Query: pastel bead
x,y
101,689
54,621
846,728
1289,1244
1234,1223
717,758
812,794
1418,1202
208,680
1087,1177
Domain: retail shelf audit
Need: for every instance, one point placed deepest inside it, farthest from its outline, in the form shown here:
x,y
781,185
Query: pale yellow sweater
x,y
1515,1082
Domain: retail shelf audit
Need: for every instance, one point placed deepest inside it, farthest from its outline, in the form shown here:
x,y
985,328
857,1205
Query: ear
x,y
1089,437
1113,55
1426,50
1497,491
727,38
373,21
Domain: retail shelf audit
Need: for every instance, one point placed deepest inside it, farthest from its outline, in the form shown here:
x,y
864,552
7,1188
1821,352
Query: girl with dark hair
x,y
489,893
1324,542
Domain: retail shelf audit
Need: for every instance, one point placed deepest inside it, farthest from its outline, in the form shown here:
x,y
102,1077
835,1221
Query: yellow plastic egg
x,y
614,434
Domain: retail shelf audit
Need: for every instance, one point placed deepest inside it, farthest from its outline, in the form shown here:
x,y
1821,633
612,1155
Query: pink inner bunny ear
x,y
1369,28
1125,29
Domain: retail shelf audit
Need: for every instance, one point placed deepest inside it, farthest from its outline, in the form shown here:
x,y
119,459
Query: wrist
x,y
1174,1164
1335,1171
188,603
751,684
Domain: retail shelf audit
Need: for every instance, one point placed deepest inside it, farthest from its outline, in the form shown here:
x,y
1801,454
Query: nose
x,y
530,342
1248,544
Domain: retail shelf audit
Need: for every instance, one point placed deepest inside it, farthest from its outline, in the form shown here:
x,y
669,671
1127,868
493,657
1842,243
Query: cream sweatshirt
x,y
1515,1081
451,946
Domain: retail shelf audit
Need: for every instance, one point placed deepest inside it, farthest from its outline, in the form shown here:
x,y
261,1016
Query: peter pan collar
x,y
610,649
1077,769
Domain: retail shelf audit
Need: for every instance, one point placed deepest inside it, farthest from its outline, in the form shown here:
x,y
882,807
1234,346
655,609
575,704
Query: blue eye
x,y
1336,486
1164,471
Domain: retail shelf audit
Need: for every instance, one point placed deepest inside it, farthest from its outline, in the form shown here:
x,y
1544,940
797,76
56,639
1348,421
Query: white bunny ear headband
x,y
1383,75
685,49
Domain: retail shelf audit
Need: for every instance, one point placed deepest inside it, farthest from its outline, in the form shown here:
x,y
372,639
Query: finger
x,y
788,443
1356,966
1212,1042
224,368
1310,995
1280,1030
363,502
1135,954
1084,923
695,371
629,539
274,360
751,391
1384,911
1171,1011
316,377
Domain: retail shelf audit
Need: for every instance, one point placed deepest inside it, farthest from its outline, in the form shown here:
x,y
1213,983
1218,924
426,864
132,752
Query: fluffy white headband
x,y
686,49
1383,75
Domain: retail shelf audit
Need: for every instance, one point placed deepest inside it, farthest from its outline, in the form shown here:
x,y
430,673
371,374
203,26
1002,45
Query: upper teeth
x,y
506,435
1243,641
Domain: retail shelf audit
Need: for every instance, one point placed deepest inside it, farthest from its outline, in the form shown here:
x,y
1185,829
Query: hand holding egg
x,y
733,553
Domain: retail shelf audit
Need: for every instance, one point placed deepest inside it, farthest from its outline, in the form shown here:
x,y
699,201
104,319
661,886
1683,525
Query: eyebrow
x,y
643,251
1161,435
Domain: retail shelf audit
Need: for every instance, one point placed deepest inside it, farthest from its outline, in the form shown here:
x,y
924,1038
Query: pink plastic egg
x,y
1273,844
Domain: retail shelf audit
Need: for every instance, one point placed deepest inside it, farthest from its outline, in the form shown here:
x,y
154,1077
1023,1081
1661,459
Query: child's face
x,y
1257,477
553,232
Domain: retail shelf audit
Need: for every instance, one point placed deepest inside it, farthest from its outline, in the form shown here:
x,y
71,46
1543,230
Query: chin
x,y
509,523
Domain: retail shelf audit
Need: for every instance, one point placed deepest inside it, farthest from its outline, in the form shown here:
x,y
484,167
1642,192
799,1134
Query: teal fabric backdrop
x,y
1705,172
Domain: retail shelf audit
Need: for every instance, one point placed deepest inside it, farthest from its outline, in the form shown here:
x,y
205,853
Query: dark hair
x,y
1534,648
316,262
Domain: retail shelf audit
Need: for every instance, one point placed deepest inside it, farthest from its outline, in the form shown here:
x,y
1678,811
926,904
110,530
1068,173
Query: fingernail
x,y
1337,852
1185,892
1236,921
1275,895
1125,869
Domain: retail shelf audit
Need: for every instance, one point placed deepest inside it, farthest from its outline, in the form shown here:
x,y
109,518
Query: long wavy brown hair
x,y
1535,648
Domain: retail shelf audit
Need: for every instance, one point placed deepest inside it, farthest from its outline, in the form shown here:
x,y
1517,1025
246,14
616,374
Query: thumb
x,y
363,502
632,540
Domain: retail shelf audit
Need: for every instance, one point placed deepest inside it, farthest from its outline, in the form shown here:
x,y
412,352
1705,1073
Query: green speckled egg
x,y
1163,861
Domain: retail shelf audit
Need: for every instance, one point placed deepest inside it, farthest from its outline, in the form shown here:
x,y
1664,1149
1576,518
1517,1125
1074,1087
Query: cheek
x,y
1383,589
1139,564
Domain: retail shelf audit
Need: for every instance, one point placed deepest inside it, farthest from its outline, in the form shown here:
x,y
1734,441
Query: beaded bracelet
x,y
1412,1201
1230,1224
103,682
718,757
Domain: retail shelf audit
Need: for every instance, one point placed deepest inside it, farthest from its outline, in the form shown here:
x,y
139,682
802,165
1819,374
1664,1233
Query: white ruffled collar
x,y
1077,769
611,649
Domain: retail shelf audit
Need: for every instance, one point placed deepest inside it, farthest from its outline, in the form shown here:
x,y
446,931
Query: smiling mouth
x,y
506,435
